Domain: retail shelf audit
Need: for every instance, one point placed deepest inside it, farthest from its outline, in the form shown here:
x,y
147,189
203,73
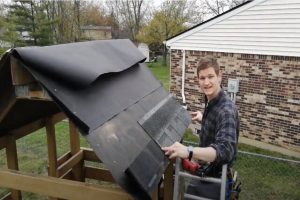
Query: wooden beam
x,y
26,87
12,163
28,128
168,182
68,175
11,154
7,197
99,174
7,106
7,93
36,125
59,188
155,194
89,155
74,138
77,169
64,158
19,74
32,91
52,152
51,142
69,164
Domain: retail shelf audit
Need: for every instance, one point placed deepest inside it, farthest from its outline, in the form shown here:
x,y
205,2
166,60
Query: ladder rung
x,y
195,197
207,179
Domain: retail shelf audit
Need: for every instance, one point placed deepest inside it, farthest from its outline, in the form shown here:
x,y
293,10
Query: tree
x,y
216,7
46,22
131,14
92,14
26,24
42,30
11,35
167,22
66,17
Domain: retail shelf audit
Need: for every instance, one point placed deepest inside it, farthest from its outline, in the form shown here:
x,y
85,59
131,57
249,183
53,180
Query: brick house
x,y
258,44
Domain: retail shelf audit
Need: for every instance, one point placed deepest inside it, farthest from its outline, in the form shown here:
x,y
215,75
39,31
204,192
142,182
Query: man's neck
x,y
214,96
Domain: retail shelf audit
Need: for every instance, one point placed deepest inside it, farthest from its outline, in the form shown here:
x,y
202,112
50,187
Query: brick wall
x,y
269,94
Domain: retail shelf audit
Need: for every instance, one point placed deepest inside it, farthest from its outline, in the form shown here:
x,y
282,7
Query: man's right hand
x,y
197,116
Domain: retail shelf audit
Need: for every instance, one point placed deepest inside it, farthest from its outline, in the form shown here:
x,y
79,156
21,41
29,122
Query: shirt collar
x,y
215,100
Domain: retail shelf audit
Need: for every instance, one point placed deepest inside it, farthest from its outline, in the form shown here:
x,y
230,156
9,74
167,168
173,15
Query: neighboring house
x,y
96,32
257,44
24,35
144,48
3,43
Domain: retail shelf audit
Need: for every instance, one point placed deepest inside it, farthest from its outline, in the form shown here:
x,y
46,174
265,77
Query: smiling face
x,y
210,82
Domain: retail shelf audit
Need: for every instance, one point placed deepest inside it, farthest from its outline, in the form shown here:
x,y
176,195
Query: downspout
x,y
183,79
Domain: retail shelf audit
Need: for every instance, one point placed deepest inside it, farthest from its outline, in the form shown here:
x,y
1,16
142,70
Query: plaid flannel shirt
x,y
220,129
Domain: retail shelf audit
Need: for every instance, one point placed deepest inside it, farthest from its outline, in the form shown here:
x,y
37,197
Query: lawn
x,y
262,178
161,72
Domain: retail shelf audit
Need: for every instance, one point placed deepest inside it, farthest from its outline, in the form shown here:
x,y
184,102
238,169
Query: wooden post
x,y
168,182
155,194
52,154
12,163
77,170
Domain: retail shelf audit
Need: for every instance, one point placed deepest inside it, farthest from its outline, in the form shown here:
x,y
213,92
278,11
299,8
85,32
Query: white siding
x,y
270,27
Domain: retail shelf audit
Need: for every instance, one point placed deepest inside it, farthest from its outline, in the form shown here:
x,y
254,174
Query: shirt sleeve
x,y
226,136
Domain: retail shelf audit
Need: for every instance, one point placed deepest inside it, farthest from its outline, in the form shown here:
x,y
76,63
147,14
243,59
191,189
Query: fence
x,y
263,176
266,177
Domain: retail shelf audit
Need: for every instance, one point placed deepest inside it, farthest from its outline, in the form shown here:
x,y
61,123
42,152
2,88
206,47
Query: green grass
x,y
161,72
267,179
190,137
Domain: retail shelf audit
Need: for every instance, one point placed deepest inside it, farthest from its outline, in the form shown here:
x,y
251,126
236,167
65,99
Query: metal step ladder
x,y
179,179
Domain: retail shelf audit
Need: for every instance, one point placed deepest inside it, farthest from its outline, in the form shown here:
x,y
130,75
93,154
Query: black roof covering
x,y
114,99
79,64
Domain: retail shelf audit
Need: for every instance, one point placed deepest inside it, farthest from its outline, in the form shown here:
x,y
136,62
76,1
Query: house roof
x,y
202,23
93,27
268,27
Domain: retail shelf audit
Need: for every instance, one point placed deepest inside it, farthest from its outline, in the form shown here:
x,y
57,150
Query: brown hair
x,y
207,62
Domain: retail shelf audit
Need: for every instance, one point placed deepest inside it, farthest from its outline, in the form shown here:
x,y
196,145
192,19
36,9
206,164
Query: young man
x,y
219,130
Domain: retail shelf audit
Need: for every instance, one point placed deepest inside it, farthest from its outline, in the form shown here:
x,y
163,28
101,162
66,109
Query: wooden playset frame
x,y
66,174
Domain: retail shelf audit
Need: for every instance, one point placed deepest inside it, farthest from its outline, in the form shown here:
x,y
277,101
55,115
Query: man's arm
x,y
226,137
207,154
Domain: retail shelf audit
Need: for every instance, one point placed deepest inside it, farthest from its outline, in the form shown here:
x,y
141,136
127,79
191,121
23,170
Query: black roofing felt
x,y
82,77
114,100
79,64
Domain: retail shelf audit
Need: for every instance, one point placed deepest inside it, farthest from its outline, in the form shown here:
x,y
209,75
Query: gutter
x,y
183,79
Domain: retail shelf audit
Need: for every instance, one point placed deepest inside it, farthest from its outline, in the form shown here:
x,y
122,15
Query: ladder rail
x,y
176,179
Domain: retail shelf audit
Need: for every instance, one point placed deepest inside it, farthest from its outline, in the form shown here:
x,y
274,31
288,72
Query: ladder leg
x,y
223,182
176,180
